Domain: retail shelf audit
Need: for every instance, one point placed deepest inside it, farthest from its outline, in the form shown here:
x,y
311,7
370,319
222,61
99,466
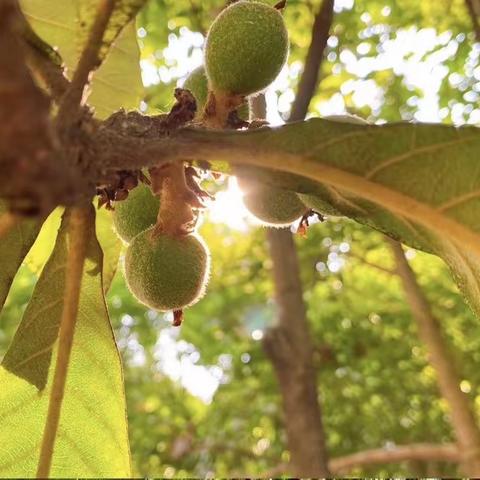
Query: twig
x,y
89,60
79,232
381,268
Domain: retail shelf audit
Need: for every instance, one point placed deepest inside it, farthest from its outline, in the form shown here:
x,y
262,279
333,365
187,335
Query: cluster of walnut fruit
x,y
167,267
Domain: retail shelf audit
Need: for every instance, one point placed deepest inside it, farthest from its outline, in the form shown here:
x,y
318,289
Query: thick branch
x,y
461,412
473,8
311,72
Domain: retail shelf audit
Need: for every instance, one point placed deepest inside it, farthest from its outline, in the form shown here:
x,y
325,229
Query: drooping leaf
x,y
419,183
92,438
65,25
16,245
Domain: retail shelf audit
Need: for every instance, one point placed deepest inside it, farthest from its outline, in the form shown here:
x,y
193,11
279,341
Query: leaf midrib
x,y
305,166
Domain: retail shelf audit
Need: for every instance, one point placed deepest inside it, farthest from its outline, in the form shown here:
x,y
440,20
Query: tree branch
x,y
89,61
462,416
400,453
376,266
79,230
311,72
423,452
474,11
288,344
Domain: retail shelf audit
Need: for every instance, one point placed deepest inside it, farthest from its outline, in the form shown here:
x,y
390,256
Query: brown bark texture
x,y
288,344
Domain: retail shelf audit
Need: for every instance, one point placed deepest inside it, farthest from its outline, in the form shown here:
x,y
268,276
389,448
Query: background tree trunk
x,y
461,413
288,344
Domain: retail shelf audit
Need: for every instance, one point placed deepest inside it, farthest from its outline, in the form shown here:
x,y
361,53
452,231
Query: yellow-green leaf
x,y
15,244
65,25
111,245
92,439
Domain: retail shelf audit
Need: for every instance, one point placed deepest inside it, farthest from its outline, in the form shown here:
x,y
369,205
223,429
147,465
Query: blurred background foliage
x,y
203,399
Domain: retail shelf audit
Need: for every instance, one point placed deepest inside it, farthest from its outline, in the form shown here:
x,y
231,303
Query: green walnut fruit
x,y
165,272
197,83
136,213
315,202
246,47
274,206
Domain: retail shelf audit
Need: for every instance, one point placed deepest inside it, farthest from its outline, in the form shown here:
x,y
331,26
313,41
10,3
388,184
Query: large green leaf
x,y
419,183
65,25
92,438
15,245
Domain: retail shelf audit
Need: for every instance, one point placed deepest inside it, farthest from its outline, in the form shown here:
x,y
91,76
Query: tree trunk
x,y
461,413
288,344
289,347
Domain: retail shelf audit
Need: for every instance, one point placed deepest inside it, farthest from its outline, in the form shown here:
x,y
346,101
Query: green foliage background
x,y
376,386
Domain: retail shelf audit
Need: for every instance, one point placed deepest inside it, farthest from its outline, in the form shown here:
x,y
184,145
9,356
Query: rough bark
x,y
288,344
289,347
461,413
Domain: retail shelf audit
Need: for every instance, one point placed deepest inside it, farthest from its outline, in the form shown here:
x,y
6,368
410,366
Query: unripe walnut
x,y
197,83
165,272
317,203
136,213
272,206
246,47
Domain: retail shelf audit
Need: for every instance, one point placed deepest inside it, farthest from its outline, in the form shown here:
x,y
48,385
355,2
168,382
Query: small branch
x,y
420,451
423,452
79,230
89,61
474,12
311,72
461,412
377,266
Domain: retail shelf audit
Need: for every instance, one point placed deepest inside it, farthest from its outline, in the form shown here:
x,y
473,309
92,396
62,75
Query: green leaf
x,y
111,246
109,241
44,243
419,183
92,438
16,244
65,25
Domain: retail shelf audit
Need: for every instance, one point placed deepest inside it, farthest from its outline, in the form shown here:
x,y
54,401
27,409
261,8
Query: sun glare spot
x,y
228,208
